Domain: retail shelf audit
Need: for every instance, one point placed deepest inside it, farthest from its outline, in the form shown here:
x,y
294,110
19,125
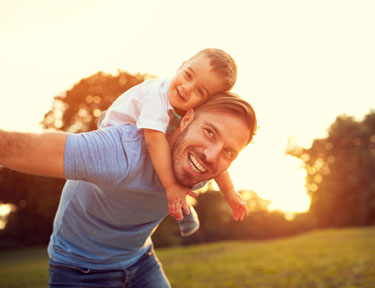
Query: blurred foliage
x,y
341,173
217,224
36,199
78,109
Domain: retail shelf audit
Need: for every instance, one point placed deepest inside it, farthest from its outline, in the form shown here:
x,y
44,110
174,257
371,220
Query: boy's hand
x,y
176,195
238,206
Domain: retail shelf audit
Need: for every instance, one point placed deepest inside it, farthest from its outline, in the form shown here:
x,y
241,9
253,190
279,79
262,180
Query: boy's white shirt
x,y
146,105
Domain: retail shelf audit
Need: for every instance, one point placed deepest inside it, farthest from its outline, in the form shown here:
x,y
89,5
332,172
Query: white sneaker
x,y
190,223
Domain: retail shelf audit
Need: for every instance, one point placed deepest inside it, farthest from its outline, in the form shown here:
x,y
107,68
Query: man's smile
x,y
195,165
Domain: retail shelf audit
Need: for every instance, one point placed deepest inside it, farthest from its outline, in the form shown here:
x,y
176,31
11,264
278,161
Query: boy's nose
x,y
188,87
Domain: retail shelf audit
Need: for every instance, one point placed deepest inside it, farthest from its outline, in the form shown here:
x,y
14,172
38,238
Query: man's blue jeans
x,y
147,272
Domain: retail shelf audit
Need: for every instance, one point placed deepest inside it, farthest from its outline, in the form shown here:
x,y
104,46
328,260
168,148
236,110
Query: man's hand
x,y
238,206
176,195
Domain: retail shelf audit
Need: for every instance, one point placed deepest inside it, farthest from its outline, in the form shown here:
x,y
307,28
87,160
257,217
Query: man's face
x,y
207,145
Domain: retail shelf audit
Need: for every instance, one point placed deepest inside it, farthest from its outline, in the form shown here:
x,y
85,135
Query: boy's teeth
x,y
197,167
179,93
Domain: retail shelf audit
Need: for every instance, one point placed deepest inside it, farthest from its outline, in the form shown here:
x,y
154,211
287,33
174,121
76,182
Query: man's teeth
x,y
195,165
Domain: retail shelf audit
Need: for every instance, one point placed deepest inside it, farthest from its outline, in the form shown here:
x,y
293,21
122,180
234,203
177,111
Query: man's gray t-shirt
x,y
111,203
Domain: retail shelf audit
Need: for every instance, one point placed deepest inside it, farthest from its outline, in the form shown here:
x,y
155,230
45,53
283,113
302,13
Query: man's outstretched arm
x,y
40,154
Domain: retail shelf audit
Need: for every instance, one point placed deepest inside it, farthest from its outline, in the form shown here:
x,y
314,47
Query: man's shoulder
x,y
124,133
106,156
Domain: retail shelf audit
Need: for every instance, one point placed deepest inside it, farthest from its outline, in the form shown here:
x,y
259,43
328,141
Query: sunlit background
x,y
301,64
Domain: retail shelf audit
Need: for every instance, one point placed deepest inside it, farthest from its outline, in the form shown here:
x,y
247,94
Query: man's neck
x,y
171,137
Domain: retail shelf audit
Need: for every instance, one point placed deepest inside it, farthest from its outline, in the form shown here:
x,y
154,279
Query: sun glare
x,y
272,176
5,210
293,178
289,188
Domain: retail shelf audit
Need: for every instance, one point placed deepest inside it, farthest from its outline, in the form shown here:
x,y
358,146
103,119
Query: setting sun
x,y
282,181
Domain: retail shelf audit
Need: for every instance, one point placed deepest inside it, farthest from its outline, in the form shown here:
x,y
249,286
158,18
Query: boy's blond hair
x,y
222,64
229,101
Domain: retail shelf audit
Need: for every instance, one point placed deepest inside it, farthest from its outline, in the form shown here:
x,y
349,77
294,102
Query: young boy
x,y
153,104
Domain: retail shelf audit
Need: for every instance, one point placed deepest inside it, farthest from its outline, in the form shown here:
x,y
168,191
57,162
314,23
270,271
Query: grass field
x,y
342,258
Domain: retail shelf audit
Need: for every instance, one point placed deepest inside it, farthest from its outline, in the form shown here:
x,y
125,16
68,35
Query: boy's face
x,y
193,83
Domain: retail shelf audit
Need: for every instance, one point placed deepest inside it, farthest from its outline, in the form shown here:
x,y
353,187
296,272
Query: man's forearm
x,y
41,154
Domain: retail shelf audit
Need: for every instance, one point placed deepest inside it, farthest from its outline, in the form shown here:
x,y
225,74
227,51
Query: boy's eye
x,y
187,75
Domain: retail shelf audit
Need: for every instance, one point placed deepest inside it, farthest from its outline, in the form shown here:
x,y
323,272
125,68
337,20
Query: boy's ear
x,y
187,119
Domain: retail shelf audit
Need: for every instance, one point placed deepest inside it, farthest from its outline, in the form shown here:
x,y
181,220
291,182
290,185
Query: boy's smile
x,y
193,83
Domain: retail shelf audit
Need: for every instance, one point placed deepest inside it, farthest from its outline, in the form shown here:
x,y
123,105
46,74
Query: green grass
x,y
343,258
26,268
325,258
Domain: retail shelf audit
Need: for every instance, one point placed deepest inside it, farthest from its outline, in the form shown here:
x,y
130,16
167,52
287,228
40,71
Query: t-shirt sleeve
x,y
200,185
153,112
97,157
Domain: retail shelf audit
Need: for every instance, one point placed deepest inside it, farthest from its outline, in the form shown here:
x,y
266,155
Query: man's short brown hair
x,y
229,101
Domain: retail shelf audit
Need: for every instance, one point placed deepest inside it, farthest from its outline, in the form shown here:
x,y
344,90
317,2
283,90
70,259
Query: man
x,y
113,199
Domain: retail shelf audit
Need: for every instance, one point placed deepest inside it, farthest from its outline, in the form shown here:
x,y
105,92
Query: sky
x,y
300,64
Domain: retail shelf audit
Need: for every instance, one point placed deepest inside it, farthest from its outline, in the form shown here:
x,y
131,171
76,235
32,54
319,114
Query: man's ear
x,y
187,119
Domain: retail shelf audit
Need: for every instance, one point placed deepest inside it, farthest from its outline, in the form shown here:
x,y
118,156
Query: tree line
x,y
340,178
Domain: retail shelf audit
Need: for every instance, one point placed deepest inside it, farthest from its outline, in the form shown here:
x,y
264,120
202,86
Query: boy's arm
x,y
40,154
161,156
233,198
224,182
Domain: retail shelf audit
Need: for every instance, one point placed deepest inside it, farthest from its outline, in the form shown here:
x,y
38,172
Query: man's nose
x,y
212,153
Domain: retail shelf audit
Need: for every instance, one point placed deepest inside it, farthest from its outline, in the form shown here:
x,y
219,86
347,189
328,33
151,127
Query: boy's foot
x,y
190,224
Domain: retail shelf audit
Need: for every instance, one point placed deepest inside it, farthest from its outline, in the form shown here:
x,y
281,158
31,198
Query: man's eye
x,y
230,154
200,92
209,133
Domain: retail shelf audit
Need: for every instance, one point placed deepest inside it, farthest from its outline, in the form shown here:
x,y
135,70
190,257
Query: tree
x,y
78,109
341,173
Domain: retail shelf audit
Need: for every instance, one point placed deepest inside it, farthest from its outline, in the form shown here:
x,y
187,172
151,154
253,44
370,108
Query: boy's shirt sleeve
x,y
97,157
154,110
125,109
144,105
